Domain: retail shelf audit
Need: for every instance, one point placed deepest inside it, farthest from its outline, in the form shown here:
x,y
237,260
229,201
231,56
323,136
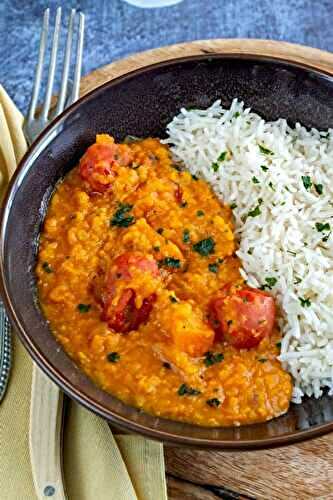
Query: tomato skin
x,y
124,316
243,317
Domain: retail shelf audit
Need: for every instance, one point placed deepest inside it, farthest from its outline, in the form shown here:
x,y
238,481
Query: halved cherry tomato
x,y
124,315
96,165
243,317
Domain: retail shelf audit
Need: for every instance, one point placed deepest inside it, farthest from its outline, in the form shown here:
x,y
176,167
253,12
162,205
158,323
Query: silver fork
x,y
46,408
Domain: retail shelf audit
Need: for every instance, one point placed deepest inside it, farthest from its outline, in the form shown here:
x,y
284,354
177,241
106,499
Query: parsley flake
x,y
186,236
211,358
215,166
318,188
270,282
222,156
255,212
113,357
214,267
233,205
255,180
213,402
262,360
322,227
278,345
83,308
120,219
184,389
173,299
204,247
200,213
304,302
264,150
47,268
307,183
169,262
264,168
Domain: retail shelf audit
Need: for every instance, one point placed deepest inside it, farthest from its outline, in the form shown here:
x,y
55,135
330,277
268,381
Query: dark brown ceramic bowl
x,y
142,103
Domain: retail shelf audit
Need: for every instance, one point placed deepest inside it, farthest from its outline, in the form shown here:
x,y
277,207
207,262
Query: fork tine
x,y
53,61
39,69
67,60
78,64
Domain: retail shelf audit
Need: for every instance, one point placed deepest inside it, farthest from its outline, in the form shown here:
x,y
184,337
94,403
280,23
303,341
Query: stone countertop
x,y
115,29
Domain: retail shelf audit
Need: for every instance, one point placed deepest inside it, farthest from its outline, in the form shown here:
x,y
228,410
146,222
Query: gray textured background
x,y
116,29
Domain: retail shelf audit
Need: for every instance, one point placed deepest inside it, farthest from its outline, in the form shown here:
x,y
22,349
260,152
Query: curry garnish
x,y
215,166
322,227
318,188
204,247
264,150
83,308
186,236
195,177
169,262
184,389
213,358
262,360
233,205
200,213
173,299
113,357
160,230
47,268
278,345
304,302
264,168
307,183
166,365
222,156
255,180
121,218
214,402
255,212
156,249
183,204
270,282
214,267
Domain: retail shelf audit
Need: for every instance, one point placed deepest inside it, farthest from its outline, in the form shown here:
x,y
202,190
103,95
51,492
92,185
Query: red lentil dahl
x,y
138,278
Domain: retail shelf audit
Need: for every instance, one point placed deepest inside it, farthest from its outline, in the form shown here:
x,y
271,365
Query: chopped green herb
x,y
173,299
156,249
292,253
326,237
270,282
83,308
113,357
264,168
166,365
319,188
211,358
219,260
214,267
215,166
195,177
47,268
184,389
200,213
326,136
307,183
304,302
229,322
255,180
260,200
233,205
278,345
160,230
250,250
120,219
204,247
169,262
186,236
255,212
322,227
297,281
237,114
222,156
264,150
262,360
213,402
270,184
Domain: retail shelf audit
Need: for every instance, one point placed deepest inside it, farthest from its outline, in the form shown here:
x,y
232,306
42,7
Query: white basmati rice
x,y
289,237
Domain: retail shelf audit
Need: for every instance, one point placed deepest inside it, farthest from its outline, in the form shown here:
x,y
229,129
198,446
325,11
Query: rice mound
x,y
279,182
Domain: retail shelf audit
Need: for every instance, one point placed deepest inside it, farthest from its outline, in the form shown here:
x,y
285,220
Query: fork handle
x,y
46,426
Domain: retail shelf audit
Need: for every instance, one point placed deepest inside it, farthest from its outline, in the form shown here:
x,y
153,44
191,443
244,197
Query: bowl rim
x,y
43,363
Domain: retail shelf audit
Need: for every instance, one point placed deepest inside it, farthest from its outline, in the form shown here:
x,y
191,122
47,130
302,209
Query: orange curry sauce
x,y
138,277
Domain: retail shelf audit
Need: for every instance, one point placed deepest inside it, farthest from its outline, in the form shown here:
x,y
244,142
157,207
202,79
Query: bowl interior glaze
x,y
142,103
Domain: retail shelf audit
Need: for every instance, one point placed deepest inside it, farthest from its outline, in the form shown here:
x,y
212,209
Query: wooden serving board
x,y
299,471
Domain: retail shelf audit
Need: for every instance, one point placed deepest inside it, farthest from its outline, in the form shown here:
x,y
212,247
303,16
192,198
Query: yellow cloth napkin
x,y
97,464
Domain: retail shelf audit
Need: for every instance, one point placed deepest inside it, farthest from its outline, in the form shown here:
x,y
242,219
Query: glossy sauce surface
x,y
148,227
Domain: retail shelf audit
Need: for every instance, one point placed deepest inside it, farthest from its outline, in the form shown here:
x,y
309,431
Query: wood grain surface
x,y
300,471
